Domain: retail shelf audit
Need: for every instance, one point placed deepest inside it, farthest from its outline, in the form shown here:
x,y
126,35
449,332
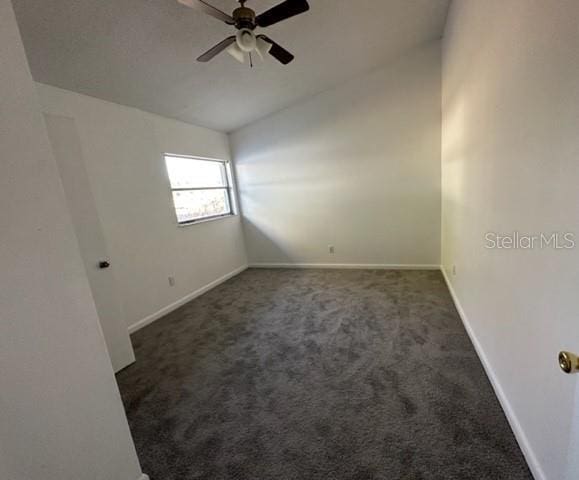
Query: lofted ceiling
x,y
141,53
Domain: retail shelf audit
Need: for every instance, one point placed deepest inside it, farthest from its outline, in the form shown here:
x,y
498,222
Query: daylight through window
x,y
201,188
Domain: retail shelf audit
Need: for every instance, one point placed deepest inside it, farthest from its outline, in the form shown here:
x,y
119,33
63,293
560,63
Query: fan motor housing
x,y
244,18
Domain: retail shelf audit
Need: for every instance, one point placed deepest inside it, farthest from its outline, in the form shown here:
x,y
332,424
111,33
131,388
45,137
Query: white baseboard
x,y
347,266
520,435
182,301
144,476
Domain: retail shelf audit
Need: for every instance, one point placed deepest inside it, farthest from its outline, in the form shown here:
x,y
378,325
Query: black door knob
x,y
104,264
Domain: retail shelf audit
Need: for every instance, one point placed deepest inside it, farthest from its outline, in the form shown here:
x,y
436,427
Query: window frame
x,y
229,188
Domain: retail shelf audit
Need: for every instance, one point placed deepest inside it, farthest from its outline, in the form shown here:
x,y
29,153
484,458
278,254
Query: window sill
x,y
206,220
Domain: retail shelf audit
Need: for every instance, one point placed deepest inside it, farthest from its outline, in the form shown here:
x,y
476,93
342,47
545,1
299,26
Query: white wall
x,y
123,152
61,416
510,154
357,167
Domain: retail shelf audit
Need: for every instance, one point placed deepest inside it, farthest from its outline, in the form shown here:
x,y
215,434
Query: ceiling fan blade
x,y
278,52
217,49
208,9
280,12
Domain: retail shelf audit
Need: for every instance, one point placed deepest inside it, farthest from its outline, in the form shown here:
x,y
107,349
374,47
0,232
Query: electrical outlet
x,y
454,269
331,249
172,281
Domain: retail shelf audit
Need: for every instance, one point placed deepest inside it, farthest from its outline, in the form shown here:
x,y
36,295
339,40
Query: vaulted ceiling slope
x,y
141,53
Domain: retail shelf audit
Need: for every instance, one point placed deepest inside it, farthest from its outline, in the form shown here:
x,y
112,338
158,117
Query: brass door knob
x,y
569,362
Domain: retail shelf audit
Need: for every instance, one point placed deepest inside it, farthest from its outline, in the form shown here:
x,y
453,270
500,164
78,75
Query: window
x,y
201,188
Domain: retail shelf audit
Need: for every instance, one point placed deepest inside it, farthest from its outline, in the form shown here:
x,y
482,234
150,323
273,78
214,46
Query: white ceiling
x,y
142,53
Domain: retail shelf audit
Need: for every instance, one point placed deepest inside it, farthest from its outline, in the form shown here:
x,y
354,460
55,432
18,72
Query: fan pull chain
x,y
250,61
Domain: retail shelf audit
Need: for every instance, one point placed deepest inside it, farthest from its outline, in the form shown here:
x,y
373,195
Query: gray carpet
x,y
316,374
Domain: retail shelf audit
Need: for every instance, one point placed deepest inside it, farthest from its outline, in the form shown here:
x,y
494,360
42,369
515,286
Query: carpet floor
x,y
316,374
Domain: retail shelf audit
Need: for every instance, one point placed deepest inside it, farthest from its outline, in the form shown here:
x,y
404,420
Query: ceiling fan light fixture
x,y
262,47
236,53
246,40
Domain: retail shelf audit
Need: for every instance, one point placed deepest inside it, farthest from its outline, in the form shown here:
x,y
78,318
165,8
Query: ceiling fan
x,y
246,21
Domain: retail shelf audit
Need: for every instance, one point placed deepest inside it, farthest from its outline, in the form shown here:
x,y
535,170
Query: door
x,y
572,470
67,150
